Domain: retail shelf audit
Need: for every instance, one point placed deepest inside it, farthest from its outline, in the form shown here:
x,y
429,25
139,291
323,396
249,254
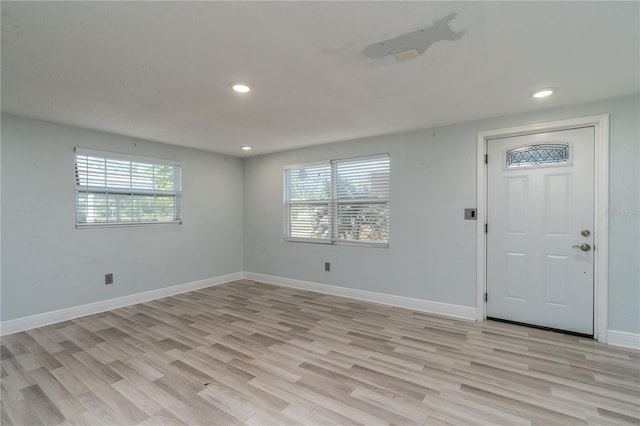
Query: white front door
x,y
540,217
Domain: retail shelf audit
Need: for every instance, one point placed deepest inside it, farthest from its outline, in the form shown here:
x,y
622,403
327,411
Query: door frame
x,y
601,210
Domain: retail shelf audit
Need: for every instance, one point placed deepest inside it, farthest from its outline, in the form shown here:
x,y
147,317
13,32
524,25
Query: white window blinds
x,y
343,201
362,200
308,193
113,189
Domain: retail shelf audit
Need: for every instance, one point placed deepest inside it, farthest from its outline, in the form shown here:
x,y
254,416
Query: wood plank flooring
x,y
256,354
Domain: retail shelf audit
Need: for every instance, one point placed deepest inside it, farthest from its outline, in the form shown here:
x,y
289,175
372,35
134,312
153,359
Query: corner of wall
x,y
48,318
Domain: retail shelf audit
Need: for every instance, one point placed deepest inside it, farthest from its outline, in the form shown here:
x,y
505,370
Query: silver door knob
x,y
583,247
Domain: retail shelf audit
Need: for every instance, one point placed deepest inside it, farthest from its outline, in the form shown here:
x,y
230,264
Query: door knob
x,y
585,232
583,247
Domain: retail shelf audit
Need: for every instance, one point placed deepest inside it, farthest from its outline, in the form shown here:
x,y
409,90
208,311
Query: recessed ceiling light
x,y
241,87
542,93
247,148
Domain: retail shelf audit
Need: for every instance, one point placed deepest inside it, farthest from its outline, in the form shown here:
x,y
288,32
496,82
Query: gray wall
x,y
48,264
432,251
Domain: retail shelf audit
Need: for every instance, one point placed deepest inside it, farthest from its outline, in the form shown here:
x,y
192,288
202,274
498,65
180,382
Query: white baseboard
x,y
48,318
457,311
614,337
623,339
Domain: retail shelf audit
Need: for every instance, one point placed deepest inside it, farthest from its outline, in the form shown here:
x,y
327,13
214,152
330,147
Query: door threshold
x,y
540,327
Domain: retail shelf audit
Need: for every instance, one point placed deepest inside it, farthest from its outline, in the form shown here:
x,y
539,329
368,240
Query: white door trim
x,y
601,210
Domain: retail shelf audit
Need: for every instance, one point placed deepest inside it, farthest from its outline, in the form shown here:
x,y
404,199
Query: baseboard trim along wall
x,y
48,318
614,337
438,308
623,339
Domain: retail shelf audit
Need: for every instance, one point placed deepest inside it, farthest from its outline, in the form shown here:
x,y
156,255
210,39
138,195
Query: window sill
x,y
338,242
124,224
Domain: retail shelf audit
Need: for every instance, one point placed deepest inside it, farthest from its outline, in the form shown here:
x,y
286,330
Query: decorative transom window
x,y
538,155
340,201
115,189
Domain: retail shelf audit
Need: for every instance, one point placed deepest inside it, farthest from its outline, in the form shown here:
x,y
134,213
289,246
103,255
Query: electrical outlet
x,y
327,266
108,278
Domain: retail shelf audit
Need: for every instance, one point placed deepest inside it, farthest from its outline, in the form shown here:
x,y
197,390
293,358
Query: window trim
x,y
133,158
333,202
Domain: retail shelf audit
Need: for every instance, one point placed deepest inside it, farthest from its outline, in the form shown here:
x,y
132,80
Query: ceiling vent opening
x,y
414,43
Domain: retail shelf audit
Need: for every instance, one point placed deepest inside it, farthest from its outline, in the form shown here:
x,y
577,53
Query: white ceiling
x,y
161,70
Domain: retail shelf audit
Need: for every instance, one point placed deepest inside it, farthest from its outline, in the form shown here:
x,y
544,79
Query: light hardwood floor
x,y
252,353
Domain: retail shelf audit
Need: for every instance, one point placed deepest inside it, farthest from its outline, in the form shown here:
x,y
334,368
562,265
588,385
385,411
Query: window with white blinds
x,y
114,189
342,201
